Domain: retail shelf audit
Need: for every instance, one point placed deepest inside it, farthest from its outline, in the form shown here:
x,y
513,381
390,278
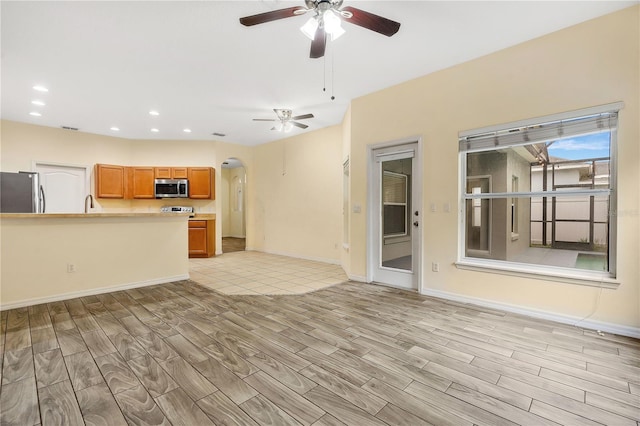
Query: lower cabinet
x,y
202,238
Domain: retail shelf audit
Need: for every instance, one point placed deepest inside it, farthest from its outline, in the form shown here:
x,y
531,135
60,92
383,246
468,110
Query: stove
x,y
176,209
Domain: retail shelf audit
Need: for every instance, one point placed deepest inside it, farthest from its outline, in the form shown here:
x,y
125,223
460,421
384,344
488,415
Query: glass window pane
x,y
395,220
578,241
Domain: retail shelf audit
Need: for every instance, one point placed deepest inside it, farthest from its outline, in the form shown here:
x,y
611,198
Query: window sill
x,y
547,273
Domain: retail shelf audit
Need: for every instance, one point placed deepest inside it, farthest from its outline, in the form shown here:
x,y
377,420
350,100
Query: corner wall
x,y
593,63
297,196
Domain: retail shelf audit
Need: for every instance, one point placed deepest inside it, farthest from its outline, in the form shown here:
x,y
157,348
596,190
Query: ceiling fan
x,y
326,20
285,121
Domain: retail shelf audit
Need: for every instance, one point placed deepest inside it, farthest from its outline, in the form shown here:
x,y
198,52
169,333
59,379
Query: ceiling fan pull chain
x,y
324,73
332,75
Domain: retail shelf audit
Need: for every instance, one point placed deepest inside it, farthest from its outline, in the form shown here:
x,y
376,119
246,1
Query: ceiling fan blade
x,y
318,44
302,117
302,126
261,18
264,119
372,22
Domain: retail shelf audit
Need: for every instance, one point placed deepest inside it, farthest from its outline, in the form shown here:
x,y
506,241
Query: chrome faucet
x,y
90,198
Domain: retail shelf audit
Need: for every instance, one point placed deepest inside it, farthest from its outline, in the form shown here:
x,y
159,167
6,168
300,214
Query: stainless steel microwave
x,y
171,188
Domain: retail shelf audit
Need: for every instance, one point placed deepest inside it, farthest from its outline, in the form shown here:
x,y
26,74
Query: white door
x,y
65,187
395,220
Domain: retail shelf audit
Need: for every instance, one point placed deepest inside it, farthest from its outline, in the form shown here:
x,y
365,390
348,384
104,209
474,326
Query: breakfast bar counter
x,y
86,215
56,256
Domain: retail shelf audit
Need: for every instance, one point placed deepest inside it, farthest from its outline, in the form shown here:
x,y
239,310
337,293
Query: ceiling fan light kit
x,y
327,19
285,122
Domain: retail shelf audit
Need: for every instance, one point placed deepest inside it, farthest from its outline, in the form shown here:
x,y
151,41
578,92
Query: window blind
x,y
394,188
539,133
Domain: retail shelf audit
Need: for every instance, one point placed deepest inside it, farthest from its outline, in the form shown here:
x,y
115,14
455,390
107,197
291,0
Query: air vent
x,y
69,128
218,134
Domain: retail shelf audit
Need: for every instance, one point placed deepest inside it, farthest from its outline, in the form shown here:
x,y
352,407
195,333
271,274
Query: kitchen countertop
x,y
87,215
203,216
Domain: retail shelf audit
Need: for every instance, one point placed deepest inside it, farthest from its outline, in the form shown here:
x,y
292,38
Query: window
x,y
394,201
538,196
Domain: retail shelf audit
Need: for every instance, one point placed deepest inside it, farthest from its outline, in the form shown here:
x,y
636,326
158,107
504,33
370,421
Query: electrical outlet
x,y
435,267
71,267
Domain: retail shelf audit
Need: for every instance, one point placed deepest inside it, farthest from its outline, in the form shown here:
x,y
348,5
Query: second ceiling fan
x,y
328,15
285,120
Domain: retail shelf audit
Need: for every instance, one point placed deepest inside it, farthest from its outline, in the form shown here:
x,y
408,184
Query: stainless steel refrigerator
x,y
21,193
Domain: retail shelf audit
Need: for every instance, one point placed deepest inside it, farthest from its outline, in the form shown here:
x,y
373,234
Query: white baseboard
x,y
91,292
611,328
358,278
297,256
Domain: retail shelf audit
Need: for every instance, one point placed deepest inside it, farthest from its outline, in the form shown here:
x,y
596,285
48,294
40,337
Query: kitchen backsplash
x,y
144,206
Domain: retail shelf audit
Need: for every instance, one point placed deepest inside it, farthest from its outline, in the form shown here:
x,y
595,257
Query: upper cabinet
x,y
201,183
141,182
171,173
110,181
138,182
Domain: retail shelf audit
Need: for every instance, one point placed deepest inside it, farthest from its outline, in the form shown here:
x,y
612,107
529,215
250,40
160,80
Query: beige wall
x,y
591,64
106,252
345,258
297,199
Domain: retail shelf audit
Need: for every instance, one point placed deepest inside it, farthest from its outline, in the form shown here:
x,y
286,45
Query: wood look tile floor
x,y
351,354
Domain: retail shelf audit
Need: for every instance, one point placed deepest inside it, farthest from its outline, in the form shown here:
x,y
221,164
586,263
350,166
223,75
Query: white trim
x,y
357,278
600,109
540,272
623,330
416,203
92,292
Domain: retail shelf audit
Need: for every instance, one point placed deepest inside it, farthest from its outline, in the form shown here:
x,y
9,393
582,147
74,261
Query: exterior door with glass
x,y
394,252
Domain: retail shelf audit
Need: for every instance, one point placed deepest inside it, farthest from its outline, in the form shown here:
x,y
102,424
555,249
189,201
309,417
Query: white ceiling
x,y
109,63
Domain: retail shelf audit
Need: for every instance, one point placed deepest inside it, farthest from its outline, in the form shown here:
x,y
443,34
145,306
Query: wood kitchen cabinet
x,y
201,183
202,238
171,173
141,182
110,181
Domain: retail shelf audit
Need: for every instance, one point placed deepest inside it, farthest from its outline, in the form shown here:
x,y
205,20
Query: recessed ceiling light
x,y
40,88
115,129
154,130
153,112
187,130
35,113
39,103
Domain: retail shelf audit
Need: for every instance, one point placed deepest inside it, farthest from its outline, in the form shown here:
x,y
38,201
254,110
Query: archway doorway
x,y
234,180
